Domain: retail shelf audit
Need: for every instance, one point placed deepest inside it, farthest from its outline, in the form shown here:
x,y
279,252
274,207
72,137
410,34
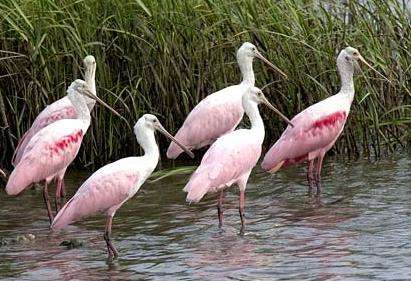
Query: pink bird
x,y
60,109
318,127
231,157
220,112
53,148
112,185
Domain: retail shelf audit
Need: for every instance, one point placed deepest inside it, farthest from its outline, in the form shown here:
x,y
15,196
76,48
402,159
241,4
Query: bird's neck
x,y
257,124
90,78
148,142
79,103
347,80
246,68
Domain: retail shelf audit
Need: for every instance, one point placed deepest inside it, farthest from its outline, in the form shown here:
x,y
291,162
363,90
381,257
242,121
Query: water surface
x,y
360,229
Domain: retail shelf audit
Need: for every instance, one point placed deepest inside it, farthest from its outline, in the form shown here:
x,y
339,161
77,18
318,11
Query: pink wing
x,y
60,109
230,157
314,129
213,117
52,149
104,191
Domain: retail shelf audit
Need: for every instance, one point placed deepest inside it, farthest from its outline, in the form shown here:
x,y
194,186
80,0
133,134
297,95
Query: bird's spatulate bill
x,y
270,106
90,95
267,62
167,134
370,66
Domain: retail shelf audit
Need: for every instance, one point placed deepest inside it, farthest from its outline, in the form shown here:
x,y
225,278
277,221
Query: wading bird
x,y
220,112
53,148
112,185
317,128
58,110
230,159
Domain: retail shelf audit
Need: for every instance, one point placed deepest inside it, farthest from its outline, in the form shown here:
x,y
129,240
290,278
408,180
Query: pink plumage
x,y
315,131
226,162
317,128
213,117
52,149
112,185
231,157
60,109
220,112
104,191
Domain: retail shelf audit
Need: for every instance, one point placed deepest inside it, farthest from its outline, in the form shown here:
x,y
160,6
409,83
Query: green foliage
x,y
164,56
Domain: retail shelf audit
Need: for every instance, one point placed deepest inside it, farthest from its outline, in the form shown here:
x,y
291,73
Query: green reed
x,y
163,57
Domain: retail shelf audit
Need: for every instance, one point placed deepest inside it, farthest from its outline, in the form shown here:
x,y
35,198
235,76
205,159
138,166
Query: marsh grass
x,y
163,57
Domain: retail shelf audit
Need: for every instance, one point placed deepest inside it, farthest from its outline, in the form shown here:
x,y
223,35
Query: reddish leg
x,y
112,251
310,175
318,174
220,209
57,202
241,210
47,202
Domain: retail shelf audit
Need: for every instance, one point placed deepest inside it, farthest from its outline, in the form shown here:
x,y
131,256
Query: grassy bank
x,y
164,57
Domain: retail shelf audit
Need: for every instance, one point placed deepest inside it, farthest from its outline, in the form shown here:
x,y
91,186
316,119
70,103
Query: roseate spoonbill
x,y
220,112
318,126
112,185
231,157
54,147
60,109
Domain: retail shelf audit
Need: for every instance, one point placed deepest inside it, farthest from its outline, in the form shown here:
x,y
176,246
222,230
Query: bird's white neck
x,y
146,139
90,78
79,103
257,124
346,72
246,67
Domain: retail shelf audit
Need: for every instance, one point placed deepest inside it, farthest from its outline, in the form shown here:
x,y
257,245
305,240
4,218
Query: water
x,y
359,230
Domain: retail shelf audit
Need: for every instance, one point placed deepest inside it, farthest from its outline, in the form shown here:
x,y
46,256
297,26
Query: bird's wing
x,y
49,151
60,109
314,128
213,117
230,157
104,191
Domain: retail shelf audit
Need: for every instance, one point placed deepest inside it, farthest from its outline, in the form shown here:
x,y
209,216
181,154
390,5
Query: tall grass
x,y
165,56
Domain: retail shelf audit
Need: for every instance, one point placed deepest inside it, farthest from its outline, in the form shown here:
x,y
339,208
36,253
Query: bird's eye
x,y
355,54
347,58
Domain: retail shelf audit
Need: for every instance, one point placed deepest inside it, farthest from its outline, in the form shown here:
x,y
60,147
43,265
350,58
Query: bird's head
x,y
149,122
255,96
89,61
249,51
349,59
80,88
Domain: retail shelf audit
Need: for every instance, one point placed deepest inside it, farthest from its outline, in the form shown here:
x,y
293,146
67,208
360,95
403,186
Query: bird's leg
x,y
310,175
318,174
58,195
47,202
220,209
63,189
112,251
241,210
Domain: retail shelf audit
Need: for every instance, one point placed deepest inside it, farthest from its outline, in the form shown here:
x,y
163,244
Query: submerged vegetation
x,y
163,57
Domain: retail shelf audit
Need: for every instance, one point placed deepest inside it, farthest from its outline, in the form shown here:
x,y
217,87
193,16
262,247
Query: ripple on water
x,y
360,229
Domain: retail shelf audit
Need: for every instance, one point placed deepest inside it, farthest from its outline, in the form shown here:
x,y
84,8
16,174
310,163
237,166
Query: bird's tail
x,y
273,159
64,217
173,151
18,152
20,179
196,188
